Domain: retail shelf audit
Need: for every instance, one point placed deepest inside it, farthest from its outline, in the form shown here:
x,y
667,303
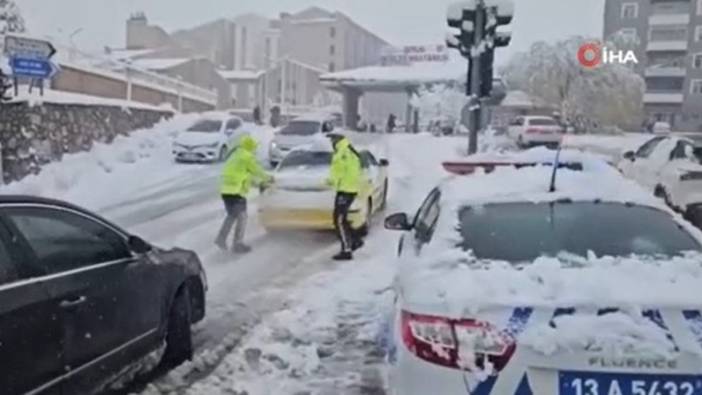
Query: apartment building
x,y
328,40
670,55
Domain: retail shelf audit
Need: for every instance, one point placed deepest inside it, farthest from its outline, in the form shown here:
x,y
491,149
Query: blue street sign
x,y
33,68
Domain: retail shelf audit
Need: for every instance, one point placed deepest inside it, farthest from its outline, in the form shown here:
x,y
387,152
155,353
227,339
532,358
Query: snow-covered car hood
x,y
198,138
302,177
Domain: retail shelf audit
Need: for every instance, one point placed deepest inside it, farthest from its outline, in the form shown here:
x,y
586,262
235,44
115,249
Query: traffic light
x,y
487,59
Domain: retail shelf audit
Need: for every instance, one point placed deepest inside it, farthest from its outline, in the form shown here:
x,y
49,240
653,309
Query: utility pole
x,y
477,22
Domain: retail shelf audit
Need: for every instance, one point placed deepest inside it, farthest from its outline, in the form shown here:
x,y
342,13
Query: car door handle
x,y
67,304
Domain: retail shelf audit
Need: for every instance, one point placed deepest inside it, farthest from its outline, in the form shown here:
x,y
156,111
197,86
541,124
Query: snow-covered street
x,y
282,319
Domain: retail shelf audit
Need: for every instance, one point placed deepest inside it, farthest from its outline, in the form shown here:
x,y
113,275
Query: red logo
x,y
590,55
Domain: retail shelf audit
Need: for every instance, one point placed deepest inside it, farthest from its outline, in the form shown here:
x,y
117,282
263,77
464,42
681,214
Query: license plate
x,y
585,383
191,156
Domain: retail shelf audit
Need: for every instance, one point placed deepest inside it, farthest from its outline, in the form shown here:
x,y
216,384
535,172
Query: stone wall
x,y
32,136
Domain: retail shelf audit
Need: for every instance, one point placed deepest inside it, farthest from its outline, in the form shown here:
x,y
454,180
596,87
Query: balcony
x,y
663,98
676,45
669,19
665,71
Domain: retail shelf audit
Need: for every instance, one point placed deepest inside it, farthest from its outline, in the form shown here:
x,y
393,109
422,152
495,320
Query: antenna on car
x,y
556,165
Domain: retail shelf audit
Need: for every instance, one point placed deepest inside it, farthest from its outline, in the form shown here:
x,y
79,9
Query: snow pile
x,y
616,334
11,20
531,184
464,285
317,342
109,173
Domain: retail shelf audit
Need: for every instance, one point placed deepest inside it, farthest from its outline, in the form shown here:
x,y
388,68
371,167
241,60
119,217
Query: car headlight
x,y
274,145
213,145
176,145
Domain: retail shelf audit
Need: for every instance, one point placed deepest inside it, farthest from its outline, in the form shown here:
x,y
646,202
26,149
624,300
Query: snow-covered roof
x,y
125,54
241,74
417,73
160,63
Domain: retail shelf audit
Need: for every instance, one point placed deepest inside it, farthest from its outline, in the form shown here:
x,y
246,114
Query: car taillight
x,y
532,130
460,344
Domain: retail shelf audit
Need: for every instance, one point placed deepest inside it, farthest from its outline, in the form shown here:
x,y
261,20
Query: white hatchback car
x,y
671,167
532,130
210,139
506,288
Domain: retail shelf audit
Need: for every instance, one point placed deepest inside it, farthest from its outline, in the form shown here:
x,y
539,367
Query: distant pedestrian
x,y
257,115
390,127
240,171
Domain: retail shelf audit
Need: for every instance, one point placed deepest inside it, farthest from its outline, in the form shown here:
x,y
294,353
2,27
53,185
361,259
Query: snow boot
x,y
343,256
221,244
241,249
357,244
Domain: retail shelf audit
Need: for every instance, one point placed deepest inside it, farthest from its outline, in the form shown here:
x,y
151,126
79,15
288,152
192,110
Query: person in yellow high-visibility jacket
x,y
345,178
241,170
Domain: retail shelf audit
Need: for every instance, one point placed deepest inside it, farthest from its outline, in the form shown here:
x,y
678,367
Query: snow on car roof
x,y
597,180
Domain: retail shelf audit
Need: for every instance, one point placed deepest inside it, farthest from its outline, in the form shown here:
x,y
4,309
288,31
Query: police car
x,y
518,279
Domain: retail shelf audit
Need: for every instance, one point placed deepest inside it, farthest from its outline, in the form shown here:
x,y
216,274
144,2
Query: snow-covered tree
x,y
439,101
610,94
11,20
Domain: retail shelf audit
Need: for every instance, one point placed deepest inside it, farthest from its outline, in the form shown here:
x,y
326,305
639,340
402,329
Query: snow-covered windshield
x,y
519,232
306,159
206,125
301,128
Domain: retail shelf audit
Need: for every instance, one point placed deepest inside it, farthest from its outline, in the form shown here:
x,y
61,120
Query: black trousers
x,y
347,235
236,214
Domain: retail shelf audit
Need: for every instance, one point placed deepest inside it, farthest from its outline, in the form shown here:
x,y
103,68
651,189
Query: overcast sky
x,y
397,21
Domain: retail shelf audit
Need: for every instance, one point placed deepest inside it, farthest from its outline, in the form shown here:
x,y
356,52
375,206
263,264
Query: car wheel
x,y
365,228
660,192
273,164
223,153
520,141
179,342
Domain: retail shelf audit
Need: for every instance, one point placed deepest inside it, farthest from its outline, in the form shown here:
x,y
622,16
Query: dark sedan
x,y
81,299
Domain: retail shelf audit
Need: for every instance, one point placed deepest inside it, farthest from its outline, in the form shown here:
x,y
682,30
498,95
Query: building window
x,y
697,61
629,32
698,33
696,87
668,33
332,32
630,10
332,67
332,50
699,7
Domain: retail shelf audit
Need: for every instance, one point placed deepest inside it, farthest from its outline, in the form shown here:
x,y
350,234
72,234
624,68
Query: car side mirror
x,y
630,155
138,245
398,221
384,162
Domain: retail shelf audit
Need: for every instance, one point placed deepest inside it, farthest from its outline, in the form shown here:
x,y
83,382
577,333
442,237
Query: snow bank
x,y
611,146
307,346
60,97
110,173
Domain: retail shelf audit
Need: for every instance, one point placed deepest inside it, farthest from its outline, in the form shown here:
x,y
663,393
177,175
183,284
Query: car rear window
x,y
306,159
542,122
301,128
518,232
206,126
